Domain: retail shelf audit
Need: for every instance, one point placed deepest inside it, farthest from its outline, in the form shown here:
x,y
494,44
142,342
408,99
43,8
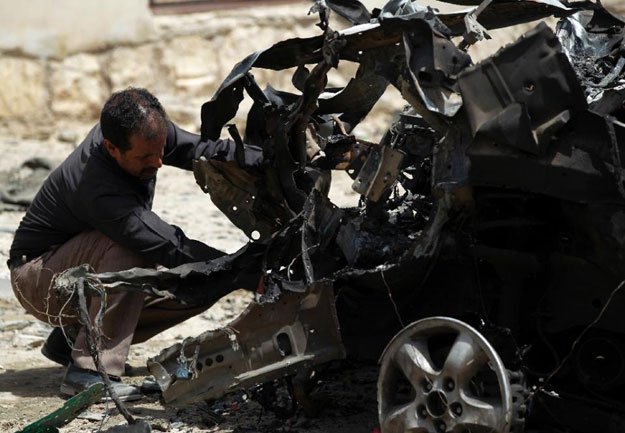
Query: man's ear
x,y
110,148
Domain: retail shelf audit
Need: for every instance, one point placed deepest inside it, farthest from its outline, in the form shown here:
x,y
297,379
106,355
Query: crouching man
x,y
95,208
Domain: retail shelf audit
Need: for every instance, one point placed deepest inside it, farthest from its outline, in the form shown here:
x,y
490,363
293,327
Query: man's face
x,y
144,157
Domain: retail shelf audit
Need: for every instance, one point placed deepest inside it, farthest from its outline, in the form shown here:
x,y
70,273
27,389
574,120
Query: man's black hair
x,y
129,112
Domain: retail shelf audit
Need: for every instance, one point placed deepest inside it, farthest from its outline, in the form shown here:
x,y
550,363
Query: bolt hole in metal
x,y
441,375
426,385
449,384
422,411
441,426
456,409
284,344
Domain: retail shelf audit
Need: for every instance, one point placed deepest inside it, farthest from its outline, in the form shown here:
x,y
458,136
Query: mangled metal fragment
x,y
251,203
592,40
292,327
505,96
475,31
433,62
379,173
267,341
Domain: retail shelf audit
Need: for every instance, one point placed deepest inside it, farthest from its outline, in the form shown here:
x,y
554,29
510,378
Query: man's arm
x,y
145,233
183,147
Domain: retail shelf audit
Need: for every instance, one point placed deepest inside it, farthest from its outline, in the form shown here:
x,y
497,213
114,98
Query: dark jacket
x,y
89,191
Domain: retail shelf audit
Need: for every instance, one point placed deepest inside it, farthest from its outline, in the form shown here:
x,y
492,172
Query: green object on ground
x,y
70,410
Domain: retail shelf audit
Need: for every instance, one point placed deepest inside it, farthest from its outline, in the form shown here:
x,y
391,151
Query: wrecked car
x,y
487,243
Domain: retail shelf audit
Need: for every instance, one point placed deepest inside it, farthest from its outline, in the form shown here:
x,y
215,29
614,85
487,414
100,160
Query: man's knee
x,y
99,251
118,258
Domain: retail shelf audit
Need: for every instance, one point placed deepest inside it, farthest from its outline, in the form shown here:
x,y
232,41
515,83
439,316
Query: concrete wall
x,y
59,64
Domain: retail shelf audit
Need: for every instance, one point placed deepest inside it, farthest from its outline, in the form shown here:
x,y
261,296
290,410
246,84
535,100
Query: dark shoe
x,y
150,386
56,348
77,380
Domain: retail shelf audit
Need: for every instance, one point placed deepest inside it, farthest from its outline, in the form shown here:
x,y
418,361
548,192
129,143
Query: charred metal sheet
x,y
378,173
356,100
352,10
434,62
475,31
255,206
556,3
499,14
384,33
297,255
412,134
362,246
593,41
187,283
582,155
267,341
498,198
524,94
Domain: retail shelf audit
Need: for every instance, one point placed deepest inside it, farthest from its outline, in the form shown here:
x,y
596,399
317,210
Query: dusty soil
x,y
29,383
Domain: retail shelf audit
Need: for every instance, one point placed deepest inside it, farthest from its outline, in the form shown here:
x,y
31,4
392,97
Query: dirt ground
x,y
29,383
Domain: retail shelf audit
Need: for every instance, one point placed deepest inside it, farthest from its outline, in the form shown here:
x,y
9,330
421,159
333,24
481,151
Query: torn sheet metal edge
x,y
354,12
401,7
576,40
261,59
437,99
249,203
508,104
273,340
555,3
359,29
379,172
298,51
585,183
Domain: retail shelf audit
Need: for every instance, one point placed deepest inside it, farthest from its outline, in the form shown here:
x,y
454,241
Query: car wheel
x,y
441,375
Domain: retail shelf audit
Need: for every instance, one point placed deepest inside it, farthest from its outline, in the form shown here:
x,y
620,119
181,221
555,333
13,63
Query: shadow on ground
x,y
32,382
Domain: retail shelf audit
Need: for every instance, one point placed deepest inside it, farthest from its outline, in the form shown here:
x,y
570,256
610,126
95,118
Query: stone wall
x,y
182,61
51,81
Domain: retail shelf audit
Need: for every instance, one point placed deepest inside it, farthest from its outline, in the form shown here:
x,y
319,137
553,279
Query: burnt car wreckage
x,y
491,222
